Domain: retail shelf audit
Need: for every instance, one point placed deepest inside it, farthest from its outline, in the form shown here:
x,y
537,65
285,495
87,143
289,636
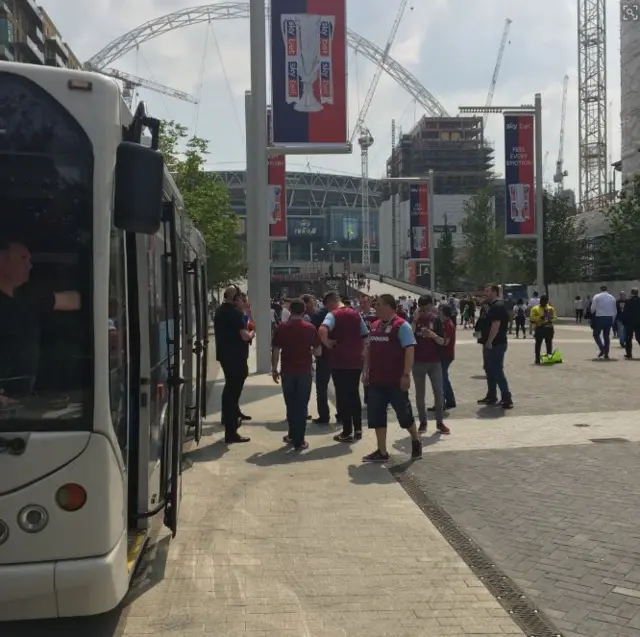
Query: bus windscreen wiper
x,y
13,446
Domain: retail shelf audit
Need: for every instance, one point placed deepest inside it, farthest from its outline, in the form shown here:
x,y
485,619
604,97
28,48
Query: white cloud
x,y
450,47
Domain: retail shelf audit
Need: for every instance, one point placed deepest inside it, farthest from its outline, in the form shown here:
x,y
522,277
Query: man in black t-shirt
x,y
232,351
494,348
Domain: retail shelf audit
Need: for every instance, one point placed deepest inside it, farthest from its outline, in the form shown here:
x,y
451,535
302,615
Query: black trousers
x,y
543,333
347,385
521,325
235,372
631,332
323,376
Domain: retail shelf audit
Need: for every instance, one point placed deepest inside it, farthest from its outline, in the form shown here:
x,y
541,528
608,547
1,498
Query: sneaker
x,y
506,403
235,439
443,429
357,434
245,417
416,450
320,421
343,438
287,440
302,447
488,401
376,456
423,427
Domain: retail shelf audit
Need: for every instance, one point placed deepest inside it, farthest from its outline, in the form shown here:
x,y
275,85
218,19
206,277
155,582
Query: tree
x,y
445,261
620,243
206,201
563,241
485,247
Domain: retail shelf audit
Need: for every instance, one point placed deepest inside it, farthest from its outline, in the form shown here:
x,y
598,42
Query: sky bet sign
x,y
305,229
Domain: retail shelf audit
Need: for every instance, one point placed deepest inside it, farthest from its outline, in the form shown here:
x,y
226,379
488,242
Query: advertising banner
x,y
519,175
350,229
309,72
277,189
419,220
305,228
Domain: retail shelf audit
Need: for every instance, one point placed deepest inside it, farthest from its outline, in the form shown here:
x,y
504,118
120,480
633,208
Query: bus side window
x,y
118,349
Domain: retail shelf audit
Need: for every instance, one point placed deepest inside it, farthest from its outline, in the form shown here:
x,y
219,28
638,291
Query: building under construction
x,y
453,147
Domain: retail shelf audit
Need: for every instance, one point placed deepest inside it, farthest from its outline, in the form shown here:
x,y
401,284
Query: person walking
x,y
368,315
387,372
295,341
232,340
448,356
494,348
323,373
343,333
631,322
619,325
520,312
429,335
542,318
603,311
578,306
533,301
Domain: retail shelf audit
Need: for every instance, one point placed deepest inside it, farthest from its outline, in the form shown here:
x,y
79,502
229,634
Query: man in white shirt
x,y
533,301
603,310
286,314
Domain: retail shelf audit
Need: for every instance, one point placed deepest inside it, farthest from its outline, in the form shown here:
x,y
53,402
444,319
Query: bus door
x,y
175,379
198,347
189,342
205,339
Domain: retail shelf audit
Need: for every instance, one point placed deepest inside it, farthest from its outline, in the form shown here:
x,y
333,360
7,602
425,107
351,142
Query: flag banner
x,y
309,72
277,197
277,189
419,220
519,175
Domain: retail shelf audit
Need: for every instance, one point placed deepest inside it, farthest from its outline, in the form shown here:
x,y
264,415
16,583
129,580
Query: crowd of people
x,y
385,344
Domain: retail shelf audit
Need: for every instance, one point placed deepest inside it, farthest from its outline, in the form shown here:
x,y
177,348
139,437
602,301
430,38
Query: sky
x,y
451,46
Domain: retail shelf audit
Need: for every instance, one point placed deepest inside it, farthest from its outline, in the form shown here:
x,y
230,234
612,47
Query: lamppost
x,y
536,111
429,181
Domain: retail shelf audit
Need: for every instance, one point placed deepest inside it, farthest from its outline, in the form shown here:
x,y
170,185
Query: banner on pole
x,y
419,220
309,72
519,175
276,189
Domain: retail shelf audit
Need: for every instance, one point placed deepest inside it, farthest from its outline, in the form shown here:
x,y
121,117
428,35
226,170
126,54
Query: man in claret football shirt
x,y
387,372
296,340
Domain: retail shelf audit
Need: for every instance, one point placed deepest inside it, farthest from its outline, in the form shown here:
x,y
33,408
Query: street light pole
x,y
432,242
257,176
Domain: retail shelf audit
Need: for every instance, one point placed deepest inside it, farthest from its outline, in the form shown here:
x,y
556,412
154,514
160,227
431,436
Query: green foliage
x,y
447,269
206,201
563,245
486,252
620,244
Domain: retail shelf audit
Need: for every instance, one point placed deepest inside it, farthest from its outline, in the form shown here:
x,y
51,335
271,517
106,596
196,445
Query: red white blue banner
x,y
276,189
419,220
309,72
519,175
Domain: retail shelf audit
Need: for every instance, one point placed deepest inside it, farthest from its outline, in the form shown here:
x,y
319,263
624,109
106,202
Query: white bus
x,y
103,338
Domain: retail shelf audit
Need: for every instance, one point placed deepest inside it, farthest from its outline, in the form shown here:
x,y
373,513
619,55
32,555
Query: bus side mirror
x,y
139,188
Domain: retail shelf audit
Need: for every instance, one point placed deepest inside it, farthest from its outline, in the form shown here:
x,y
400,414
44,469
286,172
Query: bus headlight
x,y
33,518
4,532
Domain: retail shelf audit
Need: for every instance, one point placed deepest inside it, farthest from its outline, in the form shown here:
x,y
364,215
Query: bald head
x,y
230,293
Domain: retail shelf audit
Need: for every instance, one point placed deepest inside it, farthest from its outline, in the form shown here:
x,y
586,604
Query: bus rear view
x,y
63,489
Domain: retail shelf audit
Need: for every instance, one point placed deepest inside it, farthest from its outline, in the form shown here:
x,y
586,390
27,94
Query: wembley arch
x,y
240,10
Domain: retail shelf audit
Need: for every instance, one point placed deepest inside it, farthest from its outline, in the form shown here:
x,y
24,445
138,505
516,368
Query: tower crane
x,y
496,68
365,139
561,173
131,82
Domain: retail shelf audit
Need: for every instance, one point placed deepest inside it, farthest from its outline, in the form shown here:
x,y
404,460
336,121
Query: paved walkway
x,y
313,544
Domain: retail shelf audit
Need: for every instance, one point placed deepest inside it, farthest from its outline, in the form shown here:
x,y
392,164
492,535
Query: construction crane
x,y
365,139
496,68
131,82
561,173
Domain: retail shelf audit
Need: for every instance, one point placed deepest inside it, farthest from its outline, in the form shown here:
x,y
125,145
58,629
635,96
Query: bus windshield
x,y
46,210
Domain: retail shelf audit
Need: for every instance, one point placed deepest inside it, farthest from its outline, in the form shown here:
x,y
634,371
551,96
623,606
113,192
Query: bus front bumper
x,y
67,588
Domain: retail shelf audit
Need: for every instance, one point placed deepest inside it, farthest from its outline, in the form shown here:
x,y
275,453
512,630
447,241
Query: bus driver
x,y
20,308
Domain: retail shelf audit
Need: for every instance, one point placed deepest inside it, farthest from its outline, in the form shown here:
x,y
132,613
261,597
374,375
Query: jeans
x,y
235,372
622,333
631,331
602,330
347,385
296,389
323,376
447,389
543,333
434,371
493,363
